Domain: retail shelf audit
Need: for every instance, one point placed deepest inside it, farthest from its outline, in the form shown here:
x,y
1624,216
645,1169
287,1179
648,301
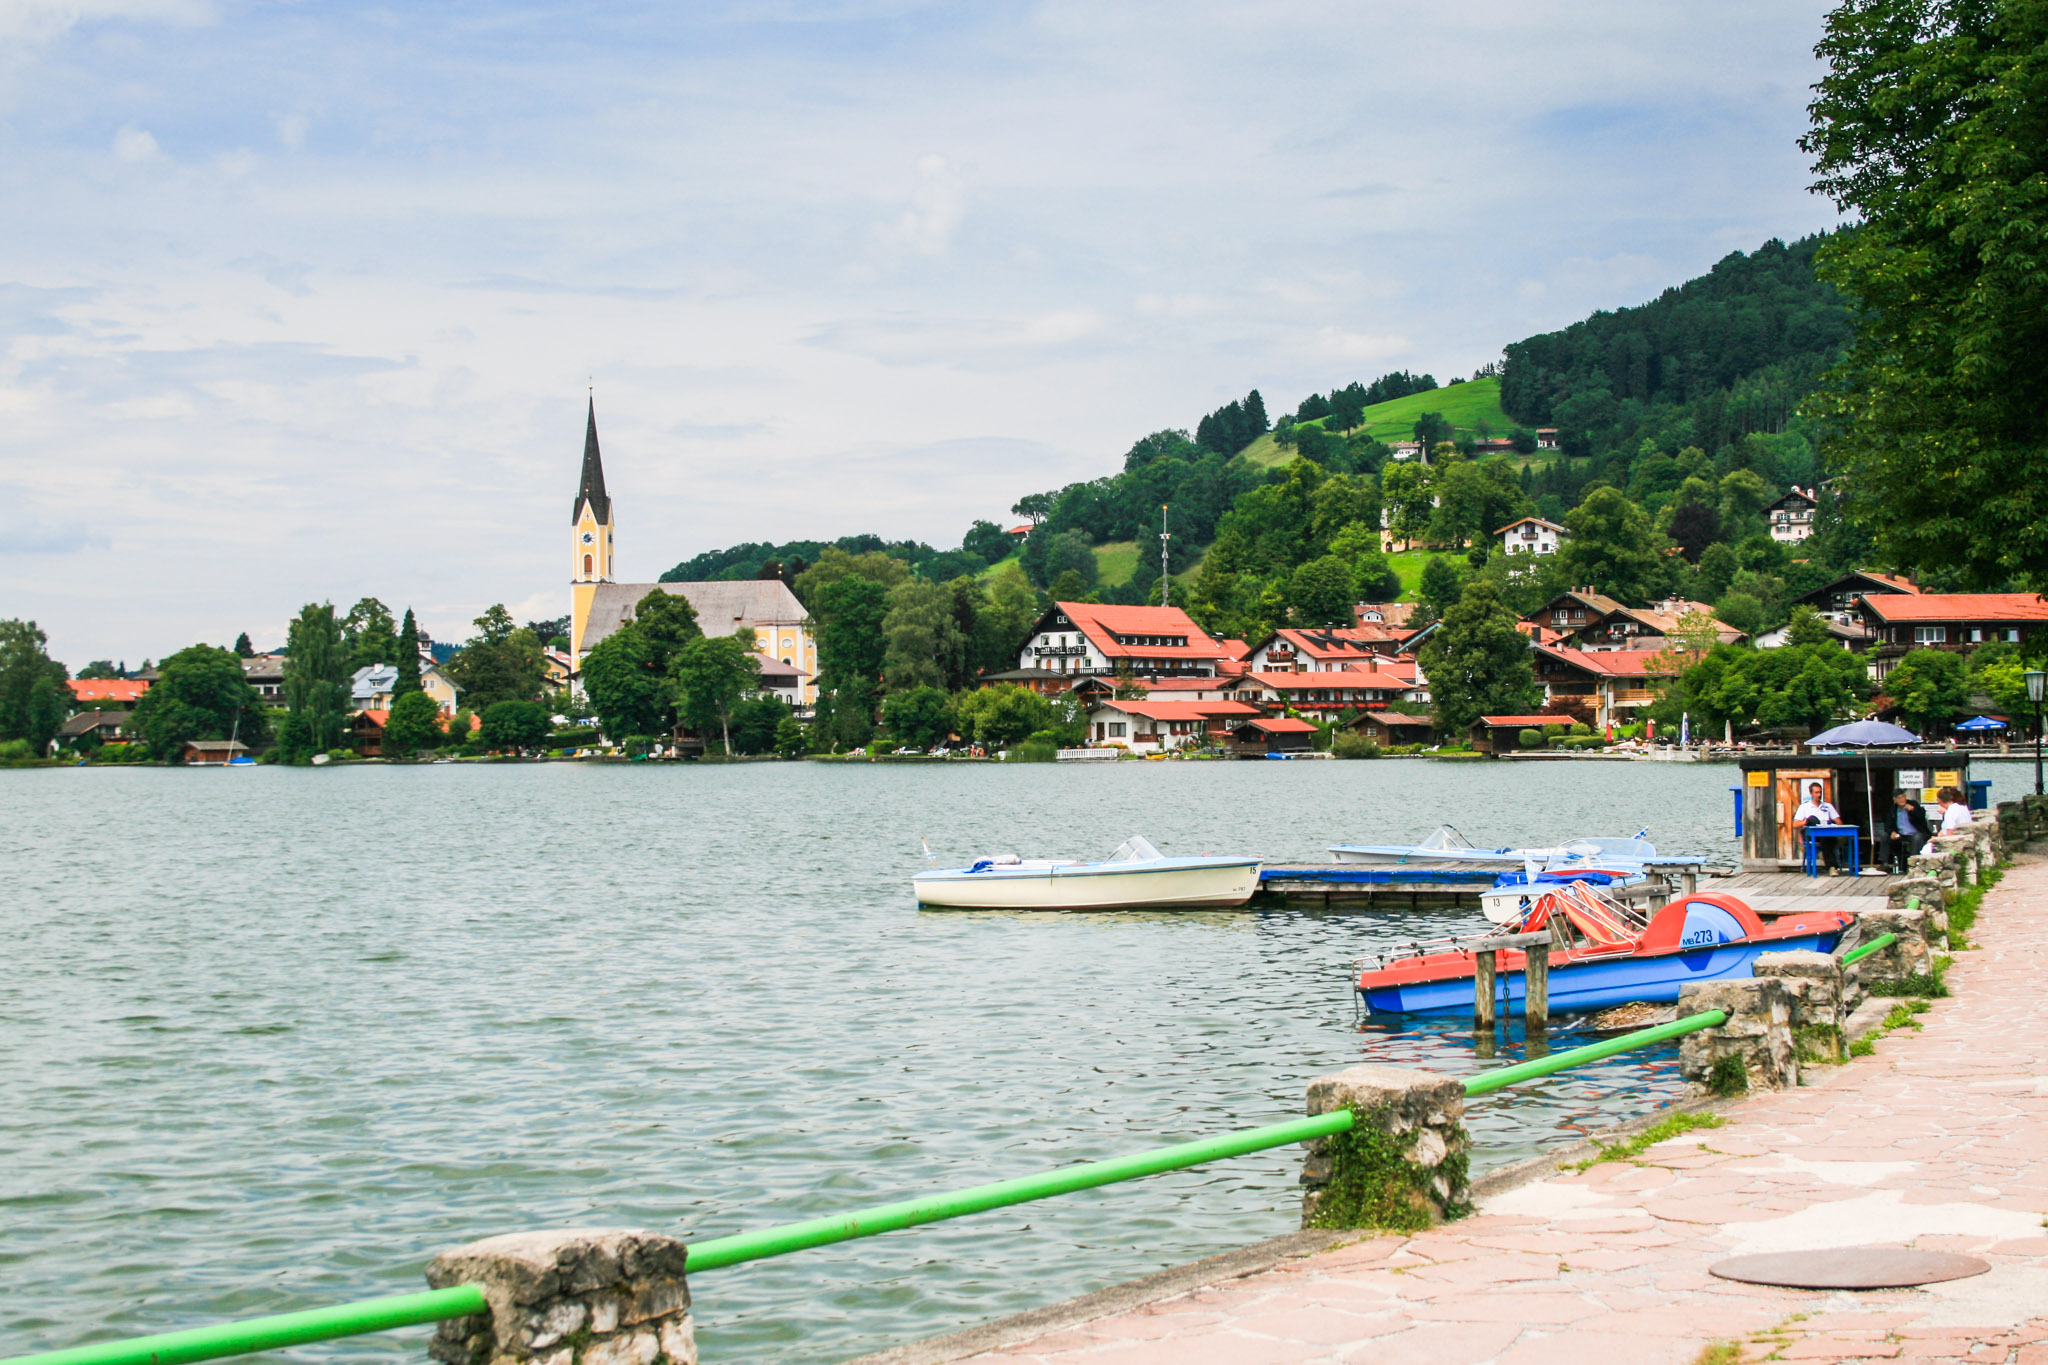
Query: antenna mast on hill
x,y
1165,582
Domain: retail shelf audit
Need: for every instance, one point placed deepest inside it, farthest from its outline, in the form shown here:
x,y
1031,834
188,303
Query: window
x,y
586,566
1930,635
2012,633
1116,729
1975,634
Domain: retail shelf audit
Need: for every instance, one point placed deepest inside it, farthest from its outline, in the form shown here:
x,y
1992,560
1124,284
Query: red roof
x,y
1386,679
1957,606
1397,718
108,689
1236,649
1182,710
1349,642
1526,722
378,718
1104,624
1179,684
1283,725
1613,663
1023,530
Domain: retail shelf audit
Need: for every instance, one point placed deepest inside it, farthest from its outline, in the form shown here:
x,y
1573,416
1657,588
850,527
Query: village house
x,y
1087,637
1573,611
366,732
1335,693
1388,728
202,753
1601,687
1162,726
784,682
1272,735
370,687
1395,614
1591,621
1046,682
1546,438
265,673
96,727
1322,651
1953,621
1093,688
1503,734
121,692
1532,536
1791,517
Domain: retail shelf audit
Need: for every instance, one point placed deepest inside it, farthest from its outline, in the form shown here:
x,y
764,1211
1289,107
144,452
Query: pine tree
x,y
1255,413
408,658
243,649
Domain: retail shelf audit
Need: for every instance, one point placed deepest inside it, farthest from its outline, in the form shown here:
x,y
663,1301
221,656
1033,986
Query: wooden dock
x,y
1771,894
1365,886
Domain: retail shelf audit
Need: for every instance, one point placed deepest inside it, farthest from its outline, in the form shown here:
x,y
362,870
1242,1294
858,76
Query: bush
x,y
1532,739
515,725
1556,731
1351,744
575,737
1032,751
1580,727
16,750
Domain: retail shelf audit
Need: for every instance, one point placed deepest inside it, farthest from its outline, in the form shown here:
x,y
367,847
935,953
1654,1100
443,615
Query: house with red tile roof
x,y
1336,692
1272,735
1090,637
1162,726
1601,686
95,692
1953,621
1321,651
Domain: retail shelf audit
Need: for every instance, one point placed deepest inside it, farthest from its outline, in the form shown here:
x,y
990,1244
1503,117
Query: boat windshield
x,y
1446,837
1603,851
1136,849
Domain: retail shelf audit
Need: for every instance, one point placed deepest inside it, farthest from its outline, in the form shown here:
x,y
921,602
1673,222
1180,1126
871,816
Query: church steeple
x,y
591,490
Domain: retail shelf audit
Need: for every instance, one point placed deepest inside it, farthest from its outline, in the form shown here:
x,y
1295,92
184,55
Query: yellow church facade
x,y
598,605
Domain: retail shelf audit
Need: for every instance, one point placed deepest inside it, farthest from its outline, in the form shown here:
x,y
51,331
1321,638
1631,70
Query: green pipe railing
x,y
1878,944
268,1334
377,1315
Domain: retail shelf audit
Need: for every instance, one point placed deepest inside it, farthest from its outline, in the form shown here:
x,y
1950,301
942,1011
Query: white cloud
x,y
132,144
291,130
926,227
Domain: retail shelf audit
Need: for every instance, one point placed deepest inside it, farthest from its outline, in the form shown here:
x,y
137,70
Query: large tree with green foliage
x,y
925,646
919,716
1612,548
317,667
501,662
711,675
514,726
200,693
1322,592
408,659
1477,663
1805,685
1930,687
370,634
34,699
625,677
413,725
1931,129
852,651
1003,715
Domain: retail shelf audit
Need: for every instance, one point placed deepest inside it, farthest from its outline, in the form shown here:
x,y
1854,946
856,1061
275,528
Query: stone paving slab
x,y
1939,1141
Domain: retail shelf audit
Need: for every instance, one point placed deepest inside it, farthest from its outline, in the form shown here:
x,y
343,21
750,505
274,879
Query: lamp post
x,y
2037,682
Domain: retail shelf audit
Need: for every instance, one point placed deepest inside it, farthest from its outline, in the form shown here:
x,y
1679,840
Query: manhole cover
x,y
1850,1268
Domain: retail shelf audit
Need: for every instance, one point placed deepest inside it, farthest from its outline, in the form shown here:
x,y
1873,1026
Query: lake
x,y
274,1037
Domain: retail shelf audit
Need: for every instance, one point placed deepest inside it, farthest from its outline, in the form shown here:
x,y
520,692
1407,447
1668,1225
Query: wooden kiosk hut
x,y
1773,785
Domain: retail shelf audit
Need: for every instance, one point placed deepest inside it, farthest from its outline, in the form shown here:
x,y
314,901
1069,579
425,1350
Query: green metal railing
x,y
407,1310
1878,944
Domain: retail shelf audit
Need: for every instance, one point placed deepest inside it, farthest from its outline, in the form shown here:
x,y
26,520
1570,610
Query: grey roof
x,y
591,490
92,720
721,608
371,679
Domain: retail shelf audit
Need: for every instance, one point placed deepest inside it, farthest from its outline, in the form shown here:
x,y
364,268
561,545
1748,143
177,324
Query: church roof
x,y
721,607
591,490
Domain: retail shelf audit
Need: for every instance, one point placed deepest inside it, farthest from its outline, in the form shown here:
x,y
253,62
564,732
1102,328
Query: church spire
x,y
591,490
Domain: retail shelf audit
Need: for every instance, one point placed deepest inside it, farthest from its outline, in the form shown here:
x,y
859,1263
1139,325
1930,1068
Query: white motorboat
x,y
1600,861
1135,877
1446,848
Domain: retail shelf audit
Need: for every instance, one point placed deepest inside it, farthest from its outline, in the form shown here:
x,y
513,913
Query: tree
x,y
1477,663
668,621
1807,628
792,740
316,683
757,723
987,540
1929,130
628,693
1612,548
495,626
1033,507
243,649
1433,428
1523,440
370,634
515,725
1322,593
1740,611
2004,680
1439,587
1048,554
921,717
1358,545
925,645
852,651
200,693
1405,488
501,662
98,668
1003,715
711,675
413,725
33,697
1930,687
408,659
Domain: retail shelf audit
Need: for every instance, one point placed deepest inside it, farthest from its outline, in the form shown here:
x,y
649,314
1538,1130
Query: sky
x,y
303,302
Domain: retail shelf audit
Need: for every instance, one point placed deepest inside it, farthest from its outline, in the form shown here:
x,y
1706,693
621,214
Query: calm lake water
x,y
272,1038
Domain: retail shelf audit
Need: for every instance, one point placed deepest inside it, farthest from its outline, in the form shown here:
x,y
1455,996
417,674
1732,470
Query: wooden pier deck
x,y
1362,886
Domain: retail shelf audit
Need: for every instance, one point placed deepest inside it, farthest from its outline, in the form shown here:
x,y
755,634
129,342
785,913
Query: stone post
x,y
1911,955
1404,1164
1753,1050
582,1297
2012,824
1927,890
1823,994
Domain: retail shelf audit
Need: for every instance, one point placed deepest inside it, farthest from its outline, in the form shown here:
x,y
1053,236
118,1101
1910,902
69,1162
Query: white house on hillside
x,y
1532,536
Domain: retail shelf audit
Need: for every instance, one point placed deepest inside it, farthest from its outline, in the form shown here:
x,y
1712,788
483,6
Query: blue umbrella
x,y
1864,732
1981,723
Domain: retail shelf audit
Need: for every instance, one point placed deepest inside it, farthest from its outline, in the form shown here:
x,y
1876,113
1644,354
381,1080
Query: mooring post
x,y
1536,987
1689,881
564,1298
1405,1162
1482,989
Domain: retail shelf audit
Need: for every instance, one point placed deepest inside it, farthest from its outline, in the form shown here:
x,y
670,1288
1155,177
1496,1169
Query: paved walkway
x,y
1939,1141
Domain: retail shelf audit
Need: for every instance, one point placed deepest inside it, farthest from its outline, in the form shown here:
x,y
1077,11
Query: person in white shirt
x,y
1955,812
1816,809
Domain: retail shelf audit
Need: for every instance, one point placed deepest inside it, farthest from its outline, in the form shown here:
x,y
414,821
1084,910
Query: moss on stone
x,y
1373,1184
1819,1043
1729,1077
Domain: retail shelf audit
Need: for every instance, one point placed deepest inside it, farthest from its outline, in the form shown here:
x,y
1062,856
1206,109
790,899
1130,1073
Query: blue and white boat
x,y
1600,861
1135,877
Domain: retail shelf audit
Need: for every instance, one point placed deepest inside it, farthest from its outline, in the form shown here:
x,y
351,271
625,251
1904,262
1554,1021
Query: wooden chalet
x,y
1503,734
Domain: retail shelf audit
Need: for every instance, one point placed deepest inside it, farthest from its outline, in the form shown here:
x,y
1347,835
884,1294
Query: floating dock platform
x,y
1367,886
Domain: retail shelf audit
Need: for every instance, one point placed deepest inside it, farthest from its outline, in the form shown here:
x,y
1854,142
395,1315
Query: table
x,y
1815,833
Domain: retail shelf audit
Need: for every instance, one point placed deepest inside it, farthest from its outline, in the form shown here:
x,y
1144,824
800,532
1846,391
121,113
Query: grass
x,y
1901,1016
1651,1136
1719,1353
1116,562
1012,567
1464,406
1962,916
1931,986
1408,565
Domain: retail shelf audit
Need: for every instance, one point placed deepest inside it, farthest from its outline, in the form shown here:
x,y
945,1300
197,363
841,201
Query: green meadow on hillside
x,y
1464,406
1116,561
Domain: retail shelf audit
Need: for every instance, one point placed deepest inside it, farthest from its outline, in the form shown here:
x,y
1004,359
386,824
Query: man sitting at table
x,y
1910,829
1816,809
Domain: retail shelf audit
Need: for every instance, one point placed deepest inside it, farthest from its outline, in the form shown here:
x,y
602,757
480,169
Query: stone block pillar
x,y
582,1297
1823,994
1405,1162
1911,955
1927,890
1753,1050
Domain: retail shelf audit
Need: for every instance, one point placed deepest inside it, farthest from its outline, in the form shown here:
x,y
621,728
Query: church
x,y
598,606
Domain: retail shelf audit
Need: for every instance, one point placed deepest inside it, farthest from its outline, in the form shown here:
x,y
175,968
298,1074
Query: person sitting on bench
x,y
1816,809
1910,830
